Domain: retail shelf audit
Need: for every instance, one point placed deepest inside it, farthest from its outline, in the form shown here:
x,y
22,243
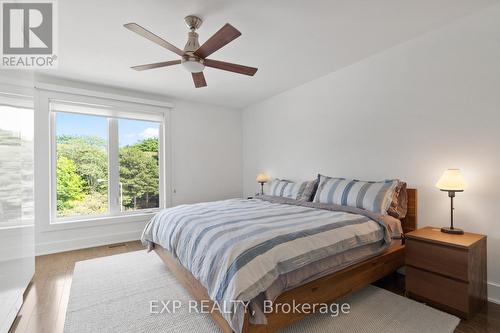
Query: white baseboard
x,y
494,292
82,243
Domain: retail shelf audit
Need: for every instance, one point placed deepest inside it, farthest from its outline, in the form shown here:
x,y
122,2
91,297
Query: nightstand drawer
x,y
445,260
444,293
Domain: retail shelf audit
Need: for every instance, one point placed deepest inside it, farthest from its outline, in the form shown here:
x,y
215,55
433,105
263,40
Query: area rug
x,y
123,293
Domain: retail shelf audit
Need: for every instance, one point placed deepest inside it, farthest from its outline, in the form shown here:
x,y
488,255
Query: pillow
x,y
399,202
372,196
286,188
277,187
307,190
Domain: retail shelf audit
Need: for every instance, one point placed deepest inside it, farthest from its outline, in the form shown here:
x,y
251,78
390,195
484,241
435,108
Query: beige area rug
x,y
113,294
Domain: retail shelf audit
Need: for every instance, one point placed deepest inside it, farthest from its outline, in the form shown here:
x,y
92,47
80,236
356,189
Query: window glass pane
x,y
82,164
139,166
16,161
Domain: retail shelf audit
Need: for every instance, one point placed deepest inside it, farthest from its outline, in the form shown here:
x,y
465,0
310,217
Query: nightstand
x,y
447,271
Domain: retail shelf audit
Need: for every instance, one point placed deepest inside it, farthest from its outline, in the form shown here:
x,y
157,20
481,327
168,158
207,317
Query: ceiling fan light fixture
x,y
193,64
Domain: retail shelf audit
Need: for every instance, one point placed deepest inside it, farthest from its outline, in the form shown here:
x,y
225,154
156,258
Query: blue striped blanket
x,y
237,248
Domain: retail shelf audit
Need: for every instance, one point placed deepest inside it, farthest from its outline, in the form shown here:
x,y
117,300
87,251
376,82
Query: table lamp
x,y
262,179
451,181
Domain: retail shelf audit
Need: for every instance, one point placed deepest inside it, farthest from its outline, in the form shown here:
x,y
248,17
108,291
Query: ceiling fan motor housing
x,y
192,44
193,22
191,62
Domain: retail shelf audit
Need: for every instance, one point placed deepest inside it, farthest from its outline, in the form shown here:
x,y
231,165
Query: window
x,y
107,160
16,160
81,164
139,164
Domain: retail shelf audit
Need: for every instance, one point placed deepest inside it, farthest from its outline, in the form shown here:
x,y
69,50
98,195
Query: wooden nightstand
x,y
447,271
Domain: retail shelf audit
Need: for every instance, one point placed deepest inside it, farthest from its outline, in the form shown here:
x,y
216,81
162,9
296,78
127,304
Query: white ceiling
x,y
291,42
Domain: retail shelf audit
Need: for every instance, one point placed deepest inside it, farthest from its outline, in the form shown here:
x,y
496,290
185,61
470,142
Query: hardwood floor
x,y
44,307
45,301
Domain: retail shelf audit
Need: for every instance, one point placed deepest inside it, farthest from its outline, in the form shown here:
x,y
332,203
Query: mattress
x,y
311,272
245,251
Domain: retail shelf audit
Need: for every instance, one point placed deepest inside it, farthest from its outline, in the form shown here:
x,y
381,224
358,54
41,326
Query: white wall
x,y
410,112
206,165
206,148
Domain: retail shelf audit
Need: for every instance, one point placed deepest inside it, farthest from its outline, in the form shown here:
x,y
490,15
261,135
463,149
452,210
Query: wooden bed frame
x,y
327,289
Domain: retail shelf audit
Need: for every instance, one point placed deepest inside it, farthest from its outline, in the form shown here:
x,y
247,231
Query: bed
x,y
236,254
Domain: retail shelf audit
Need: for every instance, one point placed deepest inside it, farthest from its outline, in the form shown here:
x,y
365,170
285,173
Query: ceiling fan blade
x,y
222,37
156,65
227,66
199,80
152,37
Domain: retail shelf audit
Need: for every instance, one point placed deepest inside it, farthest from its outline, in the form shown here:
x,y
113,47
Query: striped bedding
x,y
237,248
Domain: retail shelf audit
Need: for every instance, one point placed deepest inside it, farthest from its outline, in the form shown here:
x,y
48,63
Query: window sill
x,y
96,221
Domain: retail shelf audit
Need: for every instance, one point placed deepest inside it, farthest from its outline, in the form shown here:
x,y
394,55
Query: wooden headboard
x,y
409,223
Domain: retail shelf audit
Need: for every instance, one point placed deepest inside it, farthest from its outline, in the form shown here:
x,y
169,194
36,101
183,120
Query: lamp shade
x,y
451,180
262,178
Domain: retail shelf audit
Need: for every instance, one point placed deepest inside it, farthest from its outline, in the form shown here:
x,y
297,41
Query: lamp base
x,y
455,231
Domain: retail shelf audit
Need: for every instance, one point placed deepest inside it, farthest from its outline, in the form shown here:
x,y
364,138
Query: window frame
x,y
114,215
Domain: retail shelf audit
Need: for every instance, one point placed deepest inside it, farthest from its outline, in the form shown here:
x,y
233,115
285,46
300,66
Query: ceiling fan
x,y
194,57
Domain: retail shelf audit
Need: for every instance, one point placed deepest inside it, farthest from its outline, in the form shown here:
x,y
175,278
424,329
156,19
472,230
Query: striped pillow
x,y
372,196
286,188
